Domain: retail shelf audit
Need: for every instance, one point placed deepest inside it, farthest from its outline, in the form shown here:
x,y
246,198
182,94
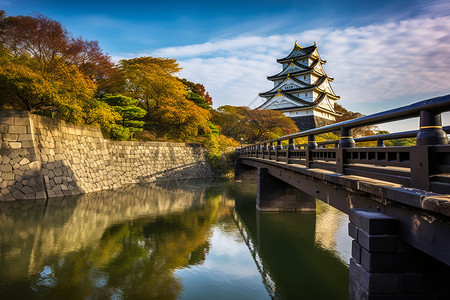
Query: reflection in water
x,y
332,231
298,251
177,241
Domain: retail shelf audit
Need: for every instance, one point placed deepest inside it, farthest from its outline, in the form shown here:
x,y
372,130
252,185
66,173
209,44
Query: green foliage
x,y
130,114
221,153
116,132
196,93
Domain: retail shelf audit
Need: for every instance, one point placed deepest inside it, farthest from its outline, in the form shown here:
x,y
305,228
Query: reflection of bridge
x,y
267,280
397,197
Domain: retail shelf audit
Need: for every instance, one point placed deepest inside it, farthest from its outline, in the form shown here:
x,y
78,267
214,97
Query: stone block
x,y
5,168
21,121
405,262
4,128
373,222
17,129
41,195
356,251
376,283
8,176
353,231
18,195
24,161
6,120
377,243
25,137
15,145
26,190
34,165
10,137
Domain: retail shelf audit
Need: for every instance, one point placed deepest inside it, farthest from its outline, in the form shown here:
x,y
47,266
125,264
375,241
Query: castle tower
x,y
302,90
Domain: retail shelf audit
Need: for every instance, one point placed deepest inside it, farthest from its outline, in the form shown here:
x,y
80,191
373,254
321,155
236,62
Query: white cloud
x,y
370,64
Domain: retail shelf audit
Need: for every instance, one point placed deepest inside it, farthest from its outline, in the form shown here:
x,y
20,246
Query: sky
x,y
382,54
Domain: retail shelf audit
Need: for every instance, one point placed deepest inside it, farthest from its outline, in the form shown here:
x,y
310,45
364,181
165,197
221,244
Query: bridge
x,y
397,198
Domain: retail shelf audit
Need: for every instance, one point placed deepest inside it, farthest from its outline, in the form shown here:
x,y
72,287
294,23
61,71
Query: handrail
x,y
377,137
424,166
438,104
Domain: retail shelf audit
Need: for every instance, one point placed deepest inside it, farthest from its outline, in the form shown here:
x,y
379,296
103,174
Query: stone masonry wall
x,y
43,157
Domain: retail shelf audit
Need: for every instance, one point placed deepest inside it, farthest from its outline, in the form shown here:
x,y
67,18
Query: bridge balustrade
x,y
425,166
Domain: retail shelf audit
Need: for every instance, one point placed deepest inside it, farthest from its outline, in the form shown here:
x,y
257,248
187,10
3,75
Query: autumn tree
x,y
180,119
252,125
349,115
50,45
44,70
151,81
197,93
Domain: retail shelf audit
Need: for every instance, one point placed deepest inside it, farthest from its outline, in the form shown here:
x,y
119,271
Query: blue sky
x,y
382,54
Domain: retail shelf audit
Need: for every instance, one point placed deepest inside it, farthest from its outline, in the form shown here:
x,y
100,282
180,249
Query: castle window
x,y
304,77
306,94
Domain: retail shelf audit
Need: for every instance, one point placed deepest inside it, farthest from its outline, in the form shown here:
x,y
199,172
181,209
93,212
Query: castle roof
x,y
306,70
300,104
299,53
305,87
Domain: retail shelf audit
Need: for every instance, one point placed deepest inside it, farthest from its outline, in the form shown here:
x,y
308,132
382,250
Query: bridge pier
x,y
383,267
244,172
276,195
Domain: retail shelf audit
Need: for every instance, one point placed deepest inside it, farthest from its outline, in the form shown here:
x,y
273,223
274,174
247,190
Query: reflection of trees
x,y
125,244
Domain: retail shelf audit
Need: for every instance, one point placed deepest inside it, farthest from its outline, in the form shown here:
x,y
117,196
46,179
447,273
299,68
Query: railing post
x,y
291,144
271,148
431,132
291,147
422,160
346,141
311,146
278,148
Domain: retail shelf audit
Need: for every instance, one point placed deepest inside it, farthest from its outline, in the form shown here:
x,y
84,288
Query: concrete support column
x,y
383,267
244,172
276,195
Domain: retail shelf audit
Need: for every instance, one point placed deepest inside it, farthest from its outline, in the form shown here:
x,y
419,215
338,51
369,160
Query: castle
x,y
302,90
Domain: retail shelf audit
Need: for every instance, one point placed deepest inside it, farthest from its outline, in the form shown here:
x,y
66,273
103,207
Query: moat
x,y
183,240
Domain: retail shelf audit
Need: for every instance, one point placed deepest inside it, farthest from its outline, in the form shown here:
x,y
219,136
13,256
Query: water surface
x,y
189,240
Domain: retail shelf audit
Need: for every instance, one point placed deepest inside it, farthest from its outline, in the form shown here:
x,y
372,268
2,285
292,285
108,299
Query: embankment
x,y
43,158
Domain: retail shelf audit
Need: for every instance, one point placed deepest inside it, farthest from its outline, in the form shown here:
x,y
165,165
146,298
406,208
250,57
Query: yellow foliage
x,y
181,118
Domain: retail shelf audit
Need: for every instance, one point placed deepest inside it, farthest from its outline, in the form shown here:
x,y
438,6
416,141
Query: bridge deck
x,y
424,217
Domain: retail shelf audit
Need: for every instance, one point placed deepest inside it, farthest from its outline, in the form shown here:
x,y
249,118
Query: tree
x,y
50,45
130,115
268,124
150,80
349,115
196,93
180,119
252,125
231,121
44,70
64,90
